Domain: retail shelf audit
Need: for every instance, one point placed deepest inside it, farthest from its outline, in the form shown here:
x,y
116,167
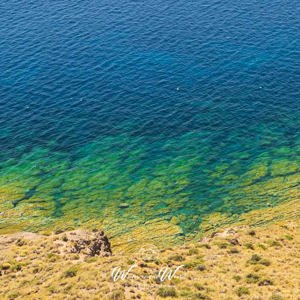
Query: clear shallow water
x,y
180,109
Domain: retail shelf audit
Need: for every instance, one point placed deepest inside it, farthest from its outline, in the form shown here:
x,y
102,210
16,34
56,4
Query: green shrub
x,y
207,246
16,267
234,251
193,251
262,246
255,259
223,245
52,289
72,272
130,262
275,244
59,230
289,237
200,296
249,246
190,265
265,262
252,278
166,291
242,290
13,295
117,295
199,287
52,257
237,278
177,257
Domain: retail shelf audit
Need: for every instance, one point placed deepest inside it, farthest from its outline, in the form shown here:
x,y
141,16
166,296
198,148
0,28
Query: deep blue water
x,y
146,91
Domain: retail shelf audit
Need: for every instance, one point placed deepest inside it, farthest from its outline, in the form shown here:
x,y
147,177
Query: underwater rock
x,y
123,205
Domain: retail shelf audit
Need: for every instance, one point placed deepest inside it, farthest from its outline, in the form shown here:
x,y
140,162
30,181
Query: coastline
x,y
233,262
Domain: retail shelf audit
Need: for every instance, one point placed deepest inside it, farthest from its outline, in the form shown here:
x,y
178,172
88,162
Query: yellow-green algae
x,y
169,192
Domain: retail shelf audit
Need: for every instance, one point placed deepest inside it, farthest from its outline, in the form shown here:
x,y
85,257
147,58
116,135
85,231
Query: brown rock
x,y
92,245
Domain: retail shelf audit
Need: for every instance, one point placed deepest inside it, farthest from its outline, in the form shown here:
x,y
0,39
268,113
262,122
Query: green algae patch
x,y
183,187
283,167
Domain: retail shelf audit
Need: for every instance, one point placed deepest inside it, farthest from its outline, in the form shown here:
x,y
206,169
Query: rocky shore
x,y
239,262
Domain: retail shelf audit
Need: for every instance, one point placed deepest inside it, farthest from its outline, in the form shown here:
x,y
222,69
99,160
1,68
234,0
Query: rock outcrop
x,y
95,243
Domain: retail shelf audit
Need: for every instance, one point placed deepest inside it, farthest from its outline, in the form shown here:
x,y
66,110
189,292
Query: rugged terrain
x,y
235,262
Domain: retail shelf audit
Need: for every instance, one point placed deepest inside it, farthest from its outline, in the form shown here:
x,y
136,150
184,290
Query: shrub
x,y
59,231
289,237
36,270
130,262
275,244
254,259
234,251
5,266
193,251
16,267
200,296
190,265
207,246
265,262
237,278
52,289
117,295
166,291
13,295
72,272
52,257
242,290
223,245
177,258
201,268
252,233
262,246
252,278
249,246
199,287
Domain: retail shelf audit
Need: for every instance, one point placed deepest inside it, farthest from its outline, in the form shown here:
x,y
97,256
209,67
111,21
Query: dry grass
x,y
40,267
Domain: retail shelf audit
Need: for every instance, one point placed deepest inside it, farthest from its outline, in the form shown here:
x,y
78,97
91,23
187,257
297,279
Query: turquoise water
x,y
178,109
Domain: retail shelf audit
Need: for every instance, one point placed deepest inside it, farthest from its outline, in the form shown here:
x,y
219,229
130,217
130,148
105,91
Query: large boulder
x,y
92,244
